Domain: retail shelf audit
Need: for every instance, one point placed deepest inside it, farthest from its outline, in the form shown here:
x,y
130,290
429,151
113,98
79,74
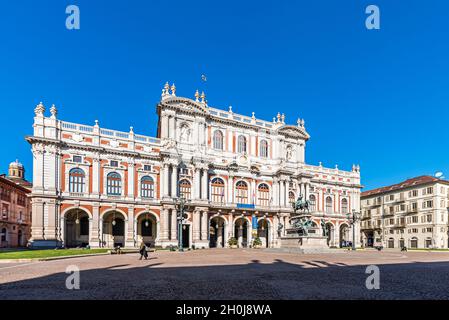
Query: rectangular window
x,y
147,167
114,163
427,204
77,159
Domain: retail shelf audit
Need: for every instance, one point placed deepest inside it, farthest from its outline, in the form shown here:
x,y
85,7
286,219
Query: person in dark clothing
x,y
143,251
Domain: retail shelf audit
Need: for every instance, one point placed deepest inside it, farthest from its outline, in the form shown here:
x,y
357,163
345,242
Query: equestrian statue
x,y
301,204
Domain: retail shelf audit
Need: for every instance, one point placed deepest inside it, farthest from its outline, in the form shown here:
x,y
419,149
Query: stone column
x,y
164,125
164,184
164,226
274,231
51,227
95,177
129,240
171,131
174,225
204,226
231,226
131,180
174,181
37,227
197,228
230,198
197,182
157,239
282,193
275,193
204,184
94,240
38,164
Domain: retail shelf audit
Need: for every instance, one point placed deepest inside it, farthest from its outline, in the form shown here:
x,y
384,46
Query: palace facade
x,y
412,213
239,175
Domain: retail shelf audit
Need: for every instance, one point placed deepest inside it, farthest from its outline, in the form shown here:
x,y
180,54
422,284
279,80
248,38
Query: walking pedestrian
x,y
143,251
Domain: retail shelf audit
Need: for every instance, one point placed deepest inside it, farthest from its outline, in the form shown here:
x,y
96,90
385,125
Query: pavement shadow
x,y
252,281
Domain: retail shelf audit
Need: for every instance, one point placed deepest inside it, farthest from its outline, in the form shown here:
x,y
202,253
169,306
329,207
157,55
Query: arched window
x,y
344,206
264,149
185,189
76,180
291,197
147,187
312,200
329,205
114,184
217,190
241,144
218,140
263,192
241,192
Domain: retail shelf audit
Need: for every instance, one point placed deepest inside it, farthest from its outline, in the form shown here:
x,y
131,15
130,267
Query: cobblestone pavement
x,y
233,274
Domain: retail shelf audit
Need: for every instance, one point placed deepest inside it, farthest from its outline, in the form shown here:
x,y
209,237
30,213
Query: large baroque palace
x,y
239,175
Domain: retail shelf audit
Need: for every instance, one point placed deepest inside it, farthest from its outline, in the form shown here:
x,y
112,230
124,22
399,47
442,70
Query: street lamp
x,y
353,218
180,204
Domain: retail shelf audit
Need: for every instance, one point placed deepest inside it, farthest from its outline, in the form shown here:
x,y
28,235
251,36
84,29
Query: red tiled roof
x,y
402,185
26,187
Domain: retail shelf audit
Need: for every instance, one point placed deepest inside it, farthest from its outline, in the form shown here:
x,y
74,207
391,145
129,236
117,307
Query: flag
x,y
203,78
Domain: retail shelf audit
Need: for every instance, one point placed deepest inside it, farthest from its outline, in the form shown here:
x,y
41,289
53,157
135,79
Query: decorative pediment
x,y
294,132
184,104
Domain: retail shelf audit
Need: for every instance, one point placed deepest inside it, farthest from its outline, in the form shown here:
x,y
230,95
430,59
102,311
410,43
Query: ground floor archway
x,y
77,227
263,232
344,235
146,227
241,232
113,233
217,233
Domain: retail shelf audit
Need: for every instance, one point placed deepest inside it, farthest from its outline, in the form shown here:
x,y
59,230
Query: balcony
x,y
399,225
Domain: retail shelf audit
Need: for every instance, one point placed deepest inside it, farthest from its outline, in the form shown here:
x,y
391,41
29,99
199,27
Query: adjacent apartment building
x,y
15,217
413,214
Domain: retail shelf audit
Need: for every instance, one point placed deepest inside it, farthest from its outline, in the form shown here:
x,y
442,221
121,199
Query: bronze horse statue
x,y
301,204
303,224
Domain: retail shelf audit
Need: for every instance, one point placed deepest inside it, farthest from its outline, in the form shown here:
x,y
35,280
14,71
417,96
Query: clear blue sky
x,y
377,98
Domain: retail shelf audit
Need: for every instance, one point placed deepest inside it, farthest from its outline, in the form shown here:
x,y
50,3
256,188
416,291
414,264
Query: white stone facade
x,y
231,168
412,214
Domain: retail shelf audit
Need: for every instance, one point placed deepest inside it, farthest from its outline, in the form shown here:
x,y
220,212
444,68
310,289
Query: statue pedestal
x,y
311,243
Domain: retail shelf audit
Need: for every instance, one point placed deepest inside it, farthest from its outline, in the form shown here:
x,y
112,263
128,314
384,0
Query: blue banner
x,y
245,206
255,223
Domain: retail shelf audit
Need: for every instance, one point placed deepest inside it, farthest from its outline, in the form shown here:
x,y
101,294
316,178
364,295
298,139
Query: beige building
x,y
413,213
15,217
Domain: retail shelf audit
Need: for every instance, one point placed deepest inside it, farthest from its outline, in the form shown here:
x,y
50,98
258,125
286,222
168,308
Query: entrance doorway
x,y
186,236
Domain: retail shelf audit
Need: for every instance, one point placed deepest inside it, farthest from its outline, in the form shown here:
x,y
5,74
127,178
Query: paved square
x,y
233,274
